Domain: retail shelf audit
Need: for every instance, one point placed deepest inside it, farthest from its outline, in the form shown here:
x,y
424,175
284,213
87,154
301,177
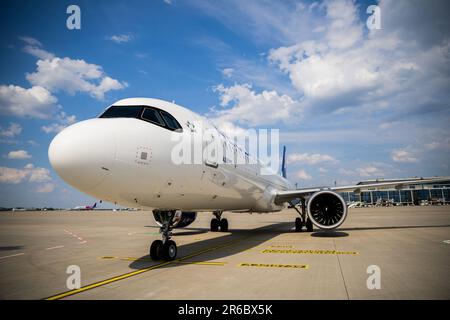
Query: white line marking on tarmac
x,y
13,255
446,241
57,247
76,236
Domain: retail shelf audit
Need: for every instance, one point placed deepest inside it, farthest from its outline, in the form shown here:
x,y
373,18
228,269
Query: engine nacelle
x,y
327,209
180,220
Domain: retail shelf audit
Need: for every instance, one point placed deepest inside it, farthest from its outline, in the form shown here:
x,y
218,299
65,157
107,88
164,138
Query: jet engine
x,y
180,220
327,209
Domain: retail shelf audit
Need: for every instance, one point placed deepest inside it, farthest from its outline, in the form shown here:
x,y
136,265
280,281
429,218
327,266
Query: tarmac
x,y
378,253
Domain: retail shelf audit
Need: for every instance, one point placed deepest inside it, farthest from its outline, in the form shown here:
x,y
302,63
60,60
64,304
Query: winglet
x,y
283,163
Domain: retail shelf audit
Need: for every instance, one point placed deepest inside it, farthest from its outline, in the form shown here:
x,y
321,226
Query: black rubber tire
x,y
170,250
156,250
223,225
298,225
214,225
309,225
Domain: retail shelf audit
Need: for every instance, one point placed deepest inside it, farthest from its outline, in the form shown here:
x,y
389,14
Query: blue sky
x,y
351,103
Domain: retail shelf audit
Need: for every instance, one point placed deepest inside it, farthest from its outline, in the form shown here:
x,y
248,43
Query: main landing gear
x,y
164,249
303,220
218,222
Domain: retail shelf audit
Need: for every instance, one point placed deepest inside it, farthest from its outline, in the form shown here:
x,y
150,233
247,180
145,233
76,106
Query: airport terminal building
x,y
421,194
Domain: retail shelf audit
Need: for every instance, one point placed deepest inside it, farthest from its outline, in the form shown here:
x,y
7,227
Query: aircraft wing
x,y
286,196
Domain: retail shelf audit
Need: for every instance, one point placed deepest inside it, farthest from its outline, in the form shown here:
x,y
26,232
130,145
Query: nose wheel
x,y
298,225
164,249
219,223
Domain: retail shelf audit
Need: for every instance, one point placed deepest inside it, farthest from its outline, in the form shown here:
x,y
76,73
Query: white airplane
x,y
85,207
124,157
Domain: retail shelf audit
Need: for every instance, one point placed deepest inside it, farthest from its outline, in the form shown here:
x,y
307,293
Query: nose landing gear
x,y
218,222
164,249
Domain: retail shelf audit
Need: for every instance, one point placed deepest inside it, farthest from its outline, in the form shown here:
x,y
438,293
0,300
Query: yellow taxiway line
x,y
297,251
208,263
134,273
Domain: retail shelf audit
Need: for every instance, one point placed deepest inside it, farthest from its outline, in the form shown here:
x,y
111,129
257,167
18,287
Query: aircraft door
x,y
211,152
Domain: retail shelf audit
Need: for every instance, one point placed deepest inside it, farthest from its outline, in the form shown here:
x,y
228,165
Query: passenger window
x,y
152,116
170,121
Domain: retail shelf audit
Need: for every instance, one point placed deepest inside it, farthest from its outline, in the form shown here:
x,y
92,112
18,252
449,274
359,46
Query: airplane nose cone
x,y
83,154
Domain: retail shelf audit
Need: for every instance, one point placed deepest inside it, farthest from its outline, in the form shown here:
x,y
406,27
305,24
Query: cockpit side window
x,y
171,122
152,115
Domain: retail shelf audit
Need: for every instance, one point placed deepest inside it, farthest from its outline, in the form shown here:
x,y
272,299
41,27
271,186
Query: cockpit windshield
x,y
148,114
123,112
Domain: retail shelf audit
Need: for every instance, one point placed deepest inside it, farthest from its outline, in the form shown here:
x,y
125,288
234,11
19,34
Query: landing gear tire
x,y
223,225
156,250
214,225
169,250
164,249
309,225
298,225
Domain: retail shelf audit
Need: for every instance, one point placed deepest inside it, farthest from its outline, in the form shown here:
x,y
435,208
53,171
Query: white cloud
x,y
19,155
29,172
252,108
230,129
168,1
63,121
38,52
38,174
370,171
73,76
141,55
403,155
36,102
442,145
69,75
432,145
121,38
264,21
303,175
310,158
31,41
54,127
33,143
12,131
344,29
45,188
342,69
346,172
11,175
228,72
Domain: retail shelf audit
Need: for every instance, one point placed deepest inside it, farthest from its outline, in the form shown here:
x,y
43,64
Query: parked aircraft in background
x,y
125,157
85,207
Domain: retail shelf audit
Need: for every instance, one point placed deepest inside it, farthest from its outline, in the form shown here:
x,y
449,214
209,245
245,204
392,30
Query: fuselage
x,y
129,161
